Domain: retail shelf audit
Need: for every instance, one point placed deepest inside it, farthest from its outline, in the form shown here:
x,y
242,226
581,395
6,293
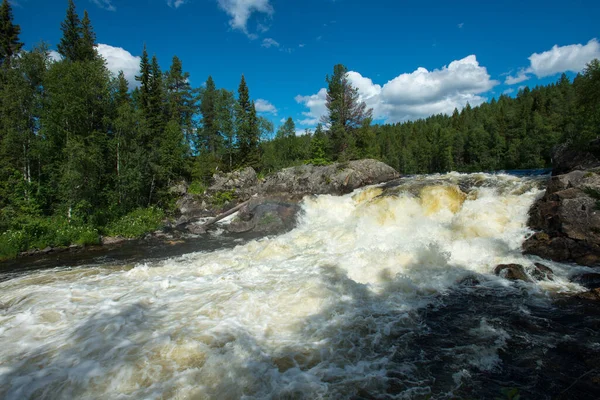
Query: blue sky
x,y
408,59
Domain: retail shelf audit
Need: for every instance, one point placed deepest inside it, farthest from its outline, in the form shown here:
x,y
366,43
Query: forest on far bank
x,y
82,155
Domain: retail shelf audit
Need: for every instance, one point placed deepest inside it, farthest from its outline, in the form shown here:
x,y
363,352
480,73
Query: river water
x,y
382,293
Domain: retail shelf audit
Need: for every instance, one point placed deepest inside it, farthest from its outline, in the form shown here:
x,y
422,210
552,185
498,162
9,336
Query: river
x,y
370,296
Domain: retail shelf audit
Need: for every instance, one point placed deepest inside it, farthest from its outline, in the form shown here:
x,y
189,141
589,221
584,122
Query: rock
x,y
338,178
589,280
265,215
196,228
566,159
593,294
513,272
541,272
190,206
110,240
567,219
180,188
469,280
236,180
46,250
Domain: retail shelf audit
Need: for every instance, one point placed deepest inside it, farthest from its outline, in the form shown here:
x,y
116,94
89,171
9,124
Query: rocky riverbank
x,y
567,218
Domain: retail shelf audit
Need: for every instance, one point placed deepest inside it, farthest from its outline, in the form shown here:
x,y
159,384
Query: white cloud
x,y
176,3
54,55
513,80
282,120
508,91
240,12
461,25
264,106
413,95
301,45
106,4
316,106
572,58
119,59
269,42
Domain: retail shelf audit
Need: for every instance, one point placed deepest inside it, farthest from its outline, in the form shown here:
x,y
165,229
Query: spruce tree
x,y
9,34
87,42
69,46
209,134
144,79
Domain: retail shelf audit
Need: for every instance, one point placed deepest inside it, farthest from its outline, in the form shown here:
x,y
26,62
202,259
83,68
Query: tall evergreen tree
x,y
87,42
9,34
209,139
69,46
247,128
144,79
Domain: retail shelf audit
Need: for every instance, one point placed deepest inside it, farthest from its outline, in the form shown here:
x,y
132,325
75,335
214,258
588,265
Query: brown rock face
x,y
513,272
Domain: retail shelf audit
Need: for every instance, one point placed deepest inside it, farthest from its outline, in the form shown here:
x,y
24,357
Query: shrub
x,y
136,223
196,187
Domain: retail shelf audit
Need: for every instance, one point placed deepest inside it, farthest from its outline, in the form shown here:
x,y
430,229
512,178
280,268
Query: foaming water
x,y
336,308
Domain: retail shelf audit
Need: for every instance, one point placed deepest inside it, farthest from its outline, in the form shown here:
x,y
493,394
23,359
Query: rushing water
x,y
371,296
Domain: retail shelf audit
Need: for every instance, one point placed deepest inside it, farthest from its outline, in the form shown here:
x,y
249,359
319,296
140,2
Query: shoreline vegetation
x,y
82,155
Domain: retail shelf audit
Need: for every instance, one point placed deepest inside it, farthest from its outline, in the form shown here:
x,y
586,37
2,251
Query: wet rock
x,y
265,215
593,294
541,272
196,228
513,272
46,250
589,280
470,280
567,219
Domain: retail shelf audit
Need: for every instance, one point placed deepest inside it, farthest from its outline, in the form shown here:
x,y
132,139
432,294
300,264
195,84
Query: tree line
x,y
79,149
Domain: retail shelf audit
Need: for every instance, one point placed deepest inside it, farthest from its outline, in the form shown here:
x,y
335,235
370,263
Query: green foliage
x,y
594,194
43,232
196,187
136,223
221,198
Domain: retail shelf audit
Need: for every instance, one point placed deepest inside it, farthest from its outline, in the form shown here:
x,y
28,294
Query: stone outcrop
x,y
566,159
273,201
337,178
567,219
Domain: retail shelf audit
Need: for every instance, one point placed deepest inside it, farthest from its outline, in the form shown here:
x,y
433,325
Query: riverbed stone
x,y
587,280
513,272
541,272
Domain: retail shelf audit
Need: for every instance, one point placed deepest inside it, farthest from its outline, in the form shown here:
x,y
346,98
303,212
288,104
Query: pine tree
x,y
180,105
69,46
122,95
246,126
9,34
288,129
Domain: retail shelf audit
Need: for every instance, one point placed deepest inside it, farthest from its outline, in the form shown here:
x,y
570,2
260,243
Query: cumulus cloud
x,y
119,59
268,42
413,95
176,3
513,80
240,12
54,55
508,91
316,106
106,4
571,58
264,106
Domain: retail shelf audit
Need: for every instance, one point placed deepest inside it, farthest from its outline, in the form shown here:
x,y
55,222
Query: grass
x,y
219,199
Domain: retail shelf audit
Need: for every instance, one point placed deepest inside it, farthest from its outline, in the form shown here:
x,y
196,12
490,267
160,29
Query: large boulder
x,y
567,219
239,181
337,178
266,215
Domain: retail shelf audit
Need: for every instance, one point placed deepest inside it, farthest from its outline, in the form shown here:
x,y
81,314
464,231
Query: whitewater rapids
x,y
328,310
